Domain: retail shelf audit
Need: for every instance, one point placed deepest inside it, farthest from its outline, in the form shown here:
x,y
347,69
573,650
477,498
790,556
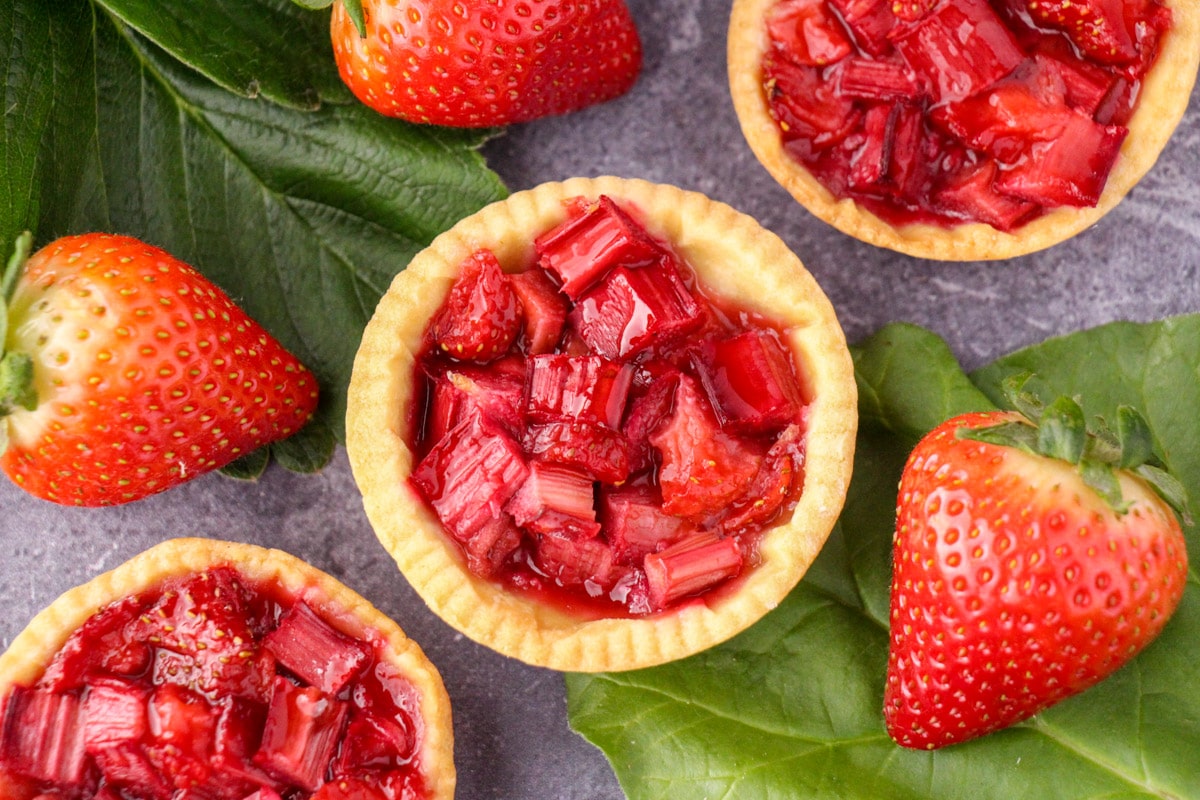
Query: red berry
x,y
145,374
447,62
1015,583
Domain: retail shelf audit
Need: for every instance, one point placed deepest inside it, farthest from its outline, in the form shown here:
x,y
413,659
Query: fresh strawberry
x,y
481,316
445,62
128,372
1031,560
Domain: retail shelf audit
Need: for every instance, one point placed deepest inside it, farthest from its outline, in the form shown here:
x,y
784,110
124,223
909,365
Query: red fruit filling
x,y
242,693
625,454
953,111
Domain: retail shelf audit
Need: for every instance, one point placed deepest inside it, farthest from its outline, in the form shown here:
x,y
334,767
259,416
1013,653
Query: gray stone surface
x,y
677,126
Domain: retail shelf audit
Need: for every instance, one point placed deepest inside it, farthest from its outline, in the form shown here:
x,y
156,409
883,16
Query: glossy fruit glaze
x,y
955,111
211,688
599,432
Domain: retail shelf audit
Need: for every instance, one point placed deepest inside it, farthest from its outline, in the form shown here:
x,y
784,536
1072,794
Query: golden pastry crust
x,y
32,650
1164,99
735,258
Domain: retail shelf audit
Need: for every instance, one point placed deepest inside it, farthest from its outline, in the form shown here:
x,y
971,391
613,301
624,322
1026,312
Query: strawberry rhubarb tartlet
x,y
603,424
961,129
205,670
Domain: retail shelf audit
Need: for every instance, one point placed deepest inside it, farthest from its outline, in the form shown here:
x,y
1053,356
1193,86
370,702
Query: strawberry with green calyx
x,y
126,372
1033,556
477,65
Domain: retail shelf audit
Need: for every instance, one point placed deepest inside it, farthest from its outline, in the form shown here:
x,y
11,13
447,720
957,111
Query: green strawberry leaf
x,y
249,467
302,217
1062,431
791,708
267,48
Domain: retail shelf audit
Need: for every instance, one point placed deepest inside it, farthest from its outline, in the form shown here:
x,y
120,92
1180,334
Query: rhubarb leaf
x,y
792,707
303,217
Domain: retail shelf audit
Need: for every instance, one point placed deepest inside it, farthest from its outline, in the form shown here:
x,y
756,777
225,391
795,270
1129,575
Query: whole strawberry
x,y
475,64
1029,564
126,372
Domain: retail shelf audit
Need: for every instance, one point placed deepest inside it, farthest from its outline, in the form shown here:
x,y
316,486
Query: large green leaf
x,y
271,48
302,216
791,708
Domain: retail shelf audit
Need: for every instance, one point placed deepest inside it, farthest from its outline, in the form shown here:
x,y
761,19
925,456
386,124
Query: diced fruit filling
x,y
208,688
627,450
954,111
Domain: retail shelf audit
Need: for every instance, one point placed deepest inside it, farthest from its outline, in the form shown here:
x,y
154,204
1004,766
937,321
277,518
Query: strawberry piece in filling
x,y
323,710
656,434
946,112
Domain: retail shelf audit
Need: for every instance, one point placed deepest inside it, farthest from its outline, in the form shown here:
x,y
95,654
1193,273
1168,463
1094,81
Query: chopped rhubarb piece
x,y
877,79
589,244
301,733
691,566
869,164
470,474
202,632
492,545
42,736
576,562
587,389
545,310
774,488
481,316
808,108
315,651
556,499
636,308
1084,85
373,742
809,32
905,160
750,380
869,21
114,711
970,194
602,453
1005,121
1068,170
635,524
703,467
128,766
959,49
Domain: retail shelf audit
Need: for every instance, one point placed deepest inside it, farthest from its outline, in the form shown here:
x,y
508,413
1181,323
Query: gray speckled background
x,y
677,126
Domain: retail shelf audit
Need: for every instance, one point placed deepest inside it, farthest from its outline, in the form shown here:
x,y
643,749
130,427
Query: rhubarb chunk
x,y
959,49
43,736
545,310
636,308
809,32
690,566
469,475
114,711
636,524
602,453
576,562
589,244
315,652
587,389
556,499
301,733
750,380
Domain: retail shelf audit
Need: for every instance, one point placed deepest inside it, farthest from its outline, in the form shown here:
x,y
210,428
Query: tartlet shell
x,y
736,259
1165,94
32,650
